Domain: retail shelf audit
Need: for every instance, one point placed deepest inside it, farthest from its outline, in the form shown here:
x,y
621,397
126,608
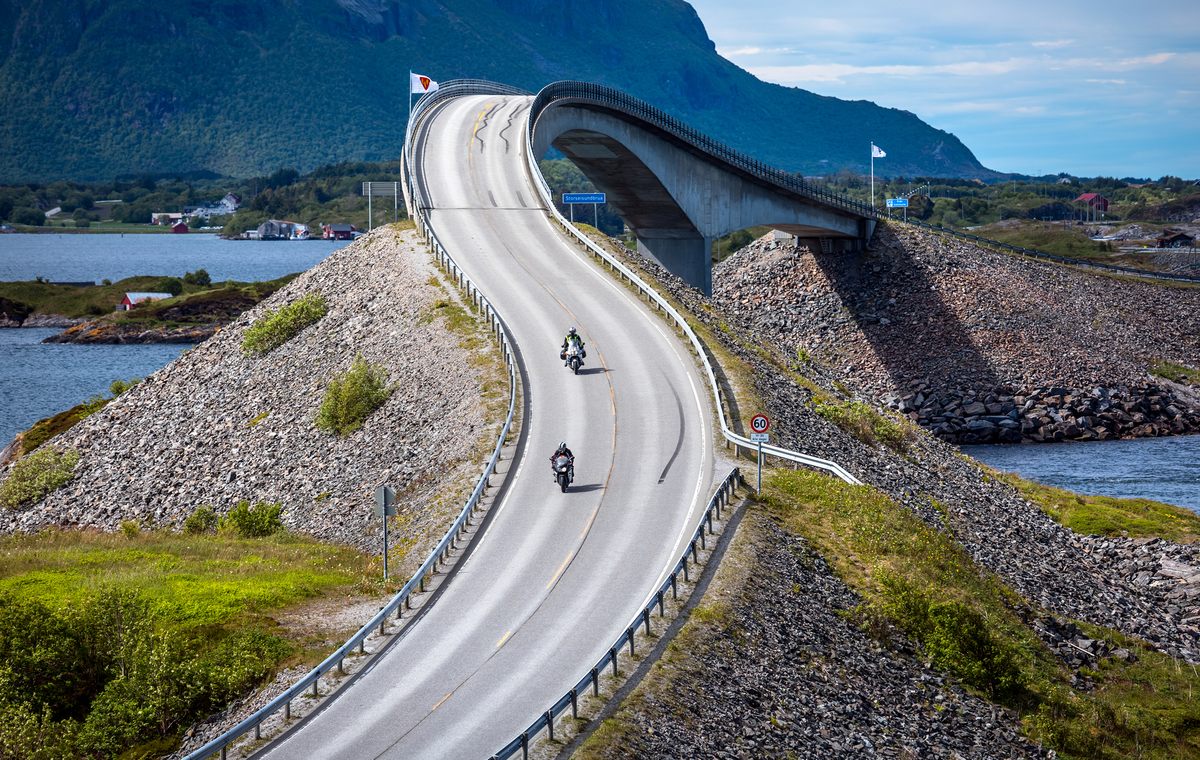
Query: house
x,y
166,217
1094,201
133,299
179,228
338,231
1176,239
281,229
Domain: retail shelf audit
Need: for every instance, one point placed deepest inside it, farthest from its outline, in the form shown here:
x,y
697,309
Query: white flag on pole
x,y
876,151
419,85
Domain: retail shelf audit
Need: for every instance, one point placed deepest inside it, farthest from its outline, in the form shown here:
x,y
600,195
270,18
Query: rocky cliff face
x,y
216,426
974,345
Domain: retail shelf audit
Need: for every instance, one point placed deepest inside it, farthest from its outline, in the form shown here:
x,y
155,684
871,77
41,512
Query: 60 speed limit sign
x,y
759,423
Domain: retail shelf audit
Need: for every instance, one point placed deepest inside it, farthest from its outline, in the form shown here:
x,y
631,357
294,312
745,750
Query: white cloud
x,y
839,72
1052,43
1106,81
1157,59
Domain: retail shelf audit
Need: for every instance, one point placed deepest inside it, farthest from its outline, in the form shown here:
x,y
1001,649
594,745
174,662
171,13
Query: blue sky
x,y
1090,88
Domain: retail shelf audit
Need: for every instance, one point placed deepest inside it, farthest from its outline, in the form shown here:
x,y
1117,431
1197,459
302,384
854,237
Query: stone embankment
x,y
99,331
216,426
1100,580
975,345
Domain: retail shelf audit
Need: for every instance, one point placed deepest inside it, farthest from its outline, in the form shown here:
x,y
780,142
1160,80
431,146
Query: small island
x,y
143,309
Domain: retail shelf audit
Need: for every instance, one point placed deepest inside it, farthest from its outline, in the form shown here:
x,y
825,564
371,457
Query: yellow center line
x,y
503,639
442,701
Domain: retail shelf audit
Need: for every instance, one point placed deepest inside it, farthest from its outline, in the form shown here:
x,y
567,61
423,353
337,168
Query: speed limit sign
x,y
759,423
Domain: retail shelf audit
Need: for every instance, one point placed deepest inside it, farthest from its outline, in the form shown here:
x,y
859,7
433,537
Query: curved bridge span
x,y
678,189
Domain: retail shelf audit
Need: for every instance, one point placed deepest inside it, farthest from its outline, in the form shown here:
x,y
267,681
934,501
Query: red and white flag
x,y
419,85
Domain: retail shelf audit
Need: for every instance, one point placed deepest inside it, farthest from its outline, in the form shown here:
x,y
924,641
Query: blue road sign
x,y
583,198
897,202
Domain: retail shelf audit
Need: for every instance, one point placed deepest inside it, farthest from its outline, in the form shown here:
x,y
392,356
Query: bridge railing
x,y
591,680
560,93
402,599
1036,254
662,304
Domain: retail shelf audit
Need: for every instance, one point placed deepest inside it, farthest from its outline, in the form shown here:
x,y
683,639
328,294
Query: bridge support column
x,y
689,258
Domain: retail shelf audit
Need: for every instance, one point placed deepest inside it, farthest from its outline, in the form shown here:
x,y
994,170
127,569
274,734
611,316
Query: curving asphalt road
x,y
555,577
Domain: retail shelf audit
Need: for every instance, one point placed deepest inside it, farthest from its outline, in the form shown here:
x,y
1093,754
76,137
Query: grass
x,y
866,423
1108,515
920,580
35,476
1062,240
278,326
1180,373
100,300
352,396
191,580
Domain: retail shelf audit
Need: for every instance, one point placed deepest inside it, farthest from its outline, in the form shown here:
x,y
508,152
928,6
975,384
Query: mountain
x,y
98,88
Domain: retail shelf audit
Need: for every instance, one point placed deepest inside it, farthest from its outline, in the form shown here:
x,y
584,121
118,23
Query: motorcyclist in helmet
x,y
562,450
572,338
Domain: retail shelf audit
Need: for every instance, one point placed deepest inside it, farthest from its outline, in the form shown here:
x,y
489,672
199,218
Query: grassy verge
x,y
1179,373
1108,515
919,580
1062,240
867,424
113,643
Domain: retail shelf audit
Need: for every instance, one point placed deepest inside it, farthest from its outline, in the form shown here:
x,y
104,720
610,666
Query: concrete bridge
x,y
679,190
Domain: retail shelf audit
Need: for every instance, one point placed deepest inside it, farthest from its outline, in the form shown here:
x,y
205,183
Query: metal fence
x,y
403,599
591,680
1034,253
565,93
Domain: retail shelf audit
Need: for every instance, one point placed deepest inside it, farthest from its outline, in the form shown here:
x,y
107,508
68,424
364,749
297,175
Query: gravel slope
x,y
194,432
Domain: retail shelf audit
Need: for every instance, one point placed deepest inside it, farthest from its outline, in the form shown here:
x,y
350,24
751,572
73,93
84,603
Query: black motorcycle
x,y
562,471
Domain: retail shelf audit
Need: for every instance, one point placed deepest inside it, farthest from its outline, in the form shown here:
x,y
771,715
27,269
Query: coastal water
x,y
40,379
94,257
1162,469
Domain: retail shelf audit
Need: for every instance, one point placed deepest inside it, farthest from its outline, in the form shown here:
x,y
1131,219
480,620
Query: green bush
x,y
865,423
131,529
199,277
172,285
278,326
351,398
35,476
252,521
956,637
203,520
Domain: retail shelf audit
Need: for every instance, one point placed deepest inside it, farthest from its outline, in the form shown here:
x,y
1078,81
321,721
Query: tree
x,y
170,285
30,216
199,277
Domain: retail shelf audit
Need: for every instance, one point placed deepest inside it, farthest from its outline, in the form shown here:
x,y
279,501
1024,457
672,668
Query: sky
x,y
1089,88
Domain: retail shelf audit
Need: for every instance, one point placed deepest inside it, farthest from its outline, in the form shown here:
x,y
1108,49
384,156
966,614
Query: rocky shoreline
x,y
102,332
974,345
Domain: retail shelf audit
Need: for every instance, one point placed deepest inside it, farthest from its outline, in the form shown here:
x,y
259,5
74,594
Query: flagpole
x,y
872,176
410,94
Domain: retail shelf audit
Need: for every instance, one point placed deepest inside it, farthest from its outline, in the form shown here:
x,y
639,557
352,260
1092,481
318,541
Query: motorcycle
x,y
562,471
573,357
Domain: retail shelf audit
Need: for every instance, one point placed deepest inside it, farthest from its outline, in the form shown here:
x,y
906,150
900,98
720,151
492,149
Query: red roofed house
x,y
179,228
133,299
1096,204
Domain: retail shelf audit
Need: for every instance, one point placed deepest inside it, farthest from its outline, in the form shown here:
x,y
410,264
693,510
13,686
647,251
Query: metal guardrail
x,y
402,599
562,93
1036,254
641,620
661,303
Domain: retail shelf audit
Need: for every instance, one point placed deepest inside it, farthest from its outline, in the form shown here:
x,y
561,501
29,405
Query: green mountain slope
x,y
96,88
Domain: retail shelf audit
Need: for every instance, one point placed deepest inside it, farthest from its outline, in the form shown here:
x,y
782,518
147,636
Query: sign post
x,y
759,424
571,199
899,203
385,496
